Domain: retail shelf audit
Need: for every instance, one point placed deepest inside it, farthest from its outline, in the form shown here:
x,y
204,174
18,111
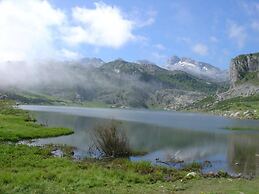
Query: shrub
x,y
111,140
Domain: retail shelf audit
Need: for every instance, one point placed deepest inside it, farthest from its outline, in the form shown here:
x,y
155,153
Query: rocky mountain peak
x,y
244,67
94,62
173,60
199,69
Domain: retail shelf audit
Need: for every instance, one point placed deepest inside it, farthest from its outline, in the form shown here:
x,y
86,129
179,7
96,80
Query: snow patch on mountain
x,y
196,68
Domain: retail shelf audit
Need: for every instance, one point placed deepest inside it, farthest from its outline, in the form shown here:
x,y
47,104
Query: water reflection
x,y
243,153
234,152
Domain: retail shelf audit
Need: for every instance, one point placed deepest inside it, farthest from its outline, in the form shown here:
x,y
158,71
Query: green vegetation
x,y
27,169
249,77
93,104
242,128
112,141
241,107
26,97
16,125
32,170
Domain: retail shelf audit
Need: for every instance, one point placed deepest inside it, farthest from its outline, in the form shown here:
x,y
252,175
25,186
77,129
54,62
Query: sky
x,y
208,31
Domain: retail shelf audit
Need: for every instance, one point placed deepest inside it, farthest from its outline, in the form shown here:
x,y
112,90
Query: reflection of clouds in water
x,y
188,154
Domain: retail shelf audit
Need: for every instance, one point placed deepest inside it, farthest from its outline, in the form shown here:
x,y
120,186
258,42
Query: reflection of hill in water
x,y
244,149
151,137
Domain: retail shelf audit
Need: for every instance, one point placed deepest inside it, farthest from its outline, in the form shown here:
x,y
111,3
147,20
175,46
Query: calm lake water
x,y
164,135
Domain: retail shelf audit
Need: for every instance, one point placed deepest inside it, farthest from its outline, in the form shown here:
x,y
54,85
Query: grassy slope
x,y
27,169
176,79
233,105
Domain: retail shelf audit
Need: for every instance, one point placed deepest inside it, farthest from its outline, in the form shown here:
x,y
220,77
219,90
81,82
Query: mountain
x,y
144,61
153,74
244,76
198,69
117,83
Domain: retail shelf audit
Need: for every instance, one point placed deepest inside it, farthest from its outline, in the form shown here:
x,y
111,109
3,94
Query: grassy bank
x,y
242,128
17,125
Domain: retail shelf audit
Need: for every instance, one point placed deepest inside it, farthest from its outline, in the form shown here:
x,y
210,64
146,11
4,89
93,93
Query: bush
x,y
112,141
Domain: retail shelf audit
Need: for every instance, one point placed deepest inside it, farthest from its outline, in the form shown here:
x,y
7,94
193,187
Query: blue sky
x,y
179,25
209,31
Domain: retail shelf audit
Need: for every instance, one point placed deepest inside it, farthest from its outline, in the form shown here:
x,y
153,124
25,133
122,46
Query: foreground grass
x,y
33,170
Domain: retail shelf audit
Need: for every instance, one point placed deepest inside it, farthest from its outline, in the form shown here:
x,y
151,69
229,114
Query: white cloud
x,y
200,49
34,29
237,33
251,8
156,56
214,39
28,29
102,26
185,40
143,18
159,47
255,25
68,54
181,12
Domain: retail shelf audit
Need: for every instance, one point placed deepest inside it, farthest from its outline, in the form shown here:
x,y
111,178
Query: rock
x,y
244,74
3,96
207,163
191,175
241,65
237,114
246,112
57,153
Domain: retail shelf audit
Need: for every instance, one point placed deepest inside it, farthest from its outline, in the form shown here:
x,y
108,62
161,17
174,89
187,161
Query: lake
x,y
164,135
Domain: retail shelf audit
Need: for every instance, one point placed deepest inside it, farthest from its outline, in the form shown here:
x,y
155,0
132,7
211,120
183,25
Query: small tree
x,y
112,141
